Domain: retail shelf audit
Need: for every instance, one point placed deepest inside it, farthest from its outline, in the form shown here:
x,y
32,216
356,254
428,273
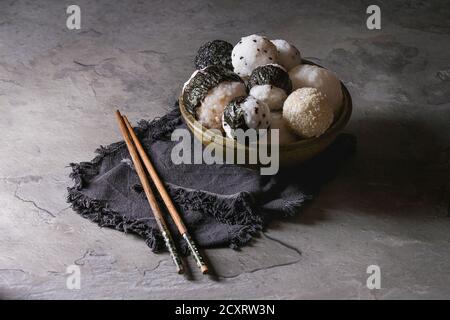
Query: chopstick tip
x,y
180,270
204,269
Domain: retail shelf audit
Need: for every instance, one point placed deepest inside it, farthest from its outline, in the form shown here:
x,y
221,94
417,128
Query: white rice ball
x,y
308,112
250,52
272,96
326,81
288,55
256,115
210,111
286,135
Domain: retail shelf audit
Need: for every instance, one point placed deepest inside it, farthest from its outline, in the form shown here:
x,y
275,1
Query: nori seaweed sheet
x,y
270,74
233,115
197,89
214,53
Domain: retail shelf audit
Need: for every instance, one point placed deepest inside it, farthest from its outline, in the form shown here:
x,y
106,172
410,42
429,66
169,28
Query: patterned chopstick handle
x,y
195,253
172,249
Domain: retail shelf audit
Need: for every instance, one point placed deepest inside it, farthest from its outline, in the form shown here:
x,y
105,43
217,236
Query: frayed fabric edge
x,y
238,212
98,212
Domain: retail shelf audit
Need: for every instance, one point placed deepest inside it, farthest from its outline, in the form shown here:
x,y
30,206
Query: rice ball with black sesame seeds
x,y
250,52
288,55
307,112
272,96
306,75
216,52
270,84
245,113
285,134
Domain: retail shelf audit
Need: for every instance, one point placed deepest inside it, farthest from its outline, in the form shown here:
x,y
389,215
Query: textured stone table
x,y
389,206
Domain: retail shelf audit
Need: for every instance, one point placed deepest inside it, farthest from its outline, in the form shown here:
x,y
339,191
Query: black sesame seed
x,y
240,42
254,40
256,110
241,58
265,51
258,49
264,115
270,58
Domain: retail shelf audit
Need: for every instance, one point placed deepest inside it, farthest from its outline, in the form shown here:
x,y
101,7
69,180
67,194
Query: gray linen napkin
x,y
222,205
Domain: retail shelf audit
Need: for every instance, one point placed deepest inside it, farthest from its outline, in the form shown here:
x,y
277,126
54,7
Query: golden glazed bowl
x,y
289,154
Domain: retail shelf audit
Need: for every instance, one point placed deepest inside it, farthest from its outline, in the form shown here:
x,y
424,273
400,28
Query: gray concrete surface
x,y
389,206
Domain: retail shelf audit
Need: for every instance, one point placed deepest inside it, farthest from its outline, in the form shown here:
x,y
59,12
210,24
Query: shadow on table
x,y
400,167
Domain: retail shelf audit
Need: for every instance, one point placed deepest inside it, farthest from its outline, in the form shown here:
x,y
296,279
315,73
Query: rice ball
x,y
210,111
288,55
250,52
208,91
216,52
308,112
245,113
286,134
306,75
270,84
272,96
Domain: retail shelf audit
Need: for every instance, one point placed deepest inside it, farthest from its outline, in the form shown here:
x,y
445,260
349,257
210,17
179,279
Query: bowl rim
x,y
337,125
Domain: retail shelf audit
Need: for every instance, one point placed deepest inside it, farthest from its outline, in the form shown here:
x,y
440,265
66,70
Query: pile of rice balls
x,y
261,84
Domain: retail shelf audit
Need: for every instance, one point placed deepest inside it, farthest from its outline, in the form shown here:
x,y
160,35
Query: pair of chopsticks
x,y
138,156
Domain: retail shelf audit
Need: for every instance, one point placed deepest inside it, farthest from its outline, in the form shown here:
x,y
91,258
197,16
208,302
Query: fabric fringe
x,y
292,207
98,212
238,211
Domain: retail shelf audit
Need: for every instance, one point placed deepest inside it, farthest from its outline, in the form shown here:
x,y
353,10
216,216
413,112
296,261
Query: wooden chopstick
x,y
150,196
167,200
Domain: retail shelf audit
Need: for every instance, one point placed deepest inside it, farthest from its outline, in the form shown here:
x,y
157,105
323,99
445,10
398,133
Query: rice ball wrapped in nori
x,y
306,75
208,91
245,113
214,53
250,52
286,134
288,55
307,112
270,84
